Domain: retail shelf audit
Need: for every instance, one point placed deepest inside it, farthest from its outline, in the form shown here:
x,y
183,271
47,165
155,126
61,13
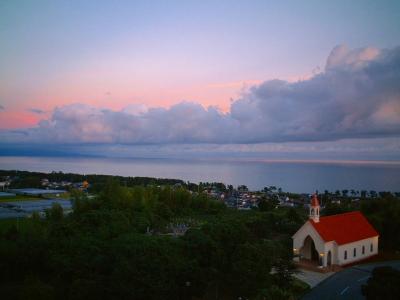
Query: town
x,y
283,241
241,198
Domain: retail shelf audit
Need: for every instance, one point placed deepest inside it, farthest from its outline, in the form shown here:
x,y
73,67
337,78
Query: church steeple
x,y
314,208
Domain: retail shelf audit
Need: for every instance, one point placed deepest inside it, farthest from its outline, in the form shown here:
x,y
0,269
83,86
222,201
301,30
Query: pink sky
x,y
16,114
159,54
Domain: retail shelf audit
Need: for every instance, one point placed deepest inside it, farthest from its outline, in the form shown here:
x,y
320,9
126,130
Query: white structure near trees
x,y
4,185
334,240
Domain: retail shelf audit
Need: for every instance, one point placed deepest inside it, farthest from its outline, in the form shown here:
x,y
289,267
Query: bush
x,y
384,284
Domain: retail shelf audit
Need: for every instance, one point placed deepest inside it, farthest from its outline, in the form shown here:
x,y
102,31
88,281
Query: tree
x,y
333,209
266,205
55,213
35,289
242,188
384,284
274,292
249,275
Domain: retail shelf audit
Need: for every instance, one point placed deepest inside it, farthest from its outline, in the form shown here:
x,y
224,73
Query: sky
x,y
244,77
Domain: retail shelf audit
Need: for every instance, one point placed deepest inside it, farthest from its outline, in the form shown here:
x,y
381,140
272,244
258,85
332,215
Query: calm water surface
x,y
291,176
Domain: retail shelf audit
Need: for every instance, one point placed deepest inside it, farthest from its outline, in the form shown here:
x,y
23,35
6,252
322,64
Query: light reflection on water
x,y
292,176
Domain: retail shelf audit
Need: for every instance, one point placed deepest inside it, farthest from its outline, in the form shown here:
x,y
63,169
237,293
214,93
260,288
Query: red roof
x,y
344,228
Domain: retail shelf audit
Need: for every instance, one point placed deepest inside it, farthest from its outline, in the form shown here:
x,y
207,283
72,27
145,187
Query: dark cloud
x,y
36,111
356,96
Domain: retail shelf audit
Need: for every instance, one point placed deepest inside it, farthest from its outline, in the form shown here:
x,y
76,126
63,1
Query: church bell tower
x,y
314,209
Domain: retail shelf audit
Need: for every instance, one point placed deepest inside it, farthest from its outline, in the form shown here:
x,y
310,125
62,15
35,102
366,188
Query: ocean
x,y
291,176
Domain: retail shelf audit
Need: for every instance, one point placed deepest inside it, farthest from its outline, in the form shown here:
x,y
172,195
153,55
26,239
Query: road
x,y
346,284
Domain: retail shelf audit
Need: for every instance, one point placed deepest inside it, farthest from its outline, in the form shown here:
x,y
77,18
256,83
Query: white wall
x,y
303,232
358,246
330,246
337,251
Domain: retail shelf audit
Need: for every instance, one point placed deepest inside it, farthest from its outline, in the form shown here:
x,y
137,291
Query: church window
x,y
345,254
354,252
363,250
372,247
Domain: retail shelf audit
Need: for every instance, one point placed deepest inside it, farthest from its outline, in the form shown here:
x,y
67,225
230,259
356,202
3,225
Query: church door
x,y
329,258
314,252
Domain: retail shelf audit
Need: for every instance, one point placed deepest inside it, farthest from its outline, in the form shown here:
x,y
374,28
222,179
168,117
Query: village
x,y
240,198
334,237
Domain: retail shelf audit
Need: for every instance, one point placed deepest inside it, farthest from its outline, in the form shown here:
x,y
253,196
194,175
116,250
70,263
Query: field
x,y
18,198
31,198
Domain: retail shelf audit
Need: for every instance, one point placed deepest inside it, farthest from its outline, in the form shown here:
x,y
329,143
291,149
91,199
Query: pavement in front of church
x,y
346,284
312,278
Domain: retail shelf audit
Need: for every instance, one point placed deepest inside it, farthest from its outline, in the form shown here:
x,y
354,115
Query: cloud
x,y
36,111
342,57
2,107
356,96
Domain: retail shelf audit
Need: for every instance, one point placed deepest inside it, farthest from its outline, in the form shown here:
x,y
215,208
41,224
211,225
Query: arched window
x,y
345,254
363,250
371,247
354,252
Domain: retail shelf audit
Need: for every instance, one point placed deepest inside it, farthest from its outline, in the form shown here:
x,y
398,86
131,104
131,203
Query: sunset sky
x,y
270,76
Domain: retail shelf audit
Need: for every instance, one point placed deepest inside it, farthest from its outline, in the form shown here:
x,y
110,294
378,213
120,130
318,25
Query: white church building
x,y
334,240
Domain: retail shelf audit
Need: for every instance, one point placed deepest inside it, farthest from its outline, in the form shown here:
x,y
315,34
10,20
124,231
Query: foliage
x,y
384,284
117,245
384,213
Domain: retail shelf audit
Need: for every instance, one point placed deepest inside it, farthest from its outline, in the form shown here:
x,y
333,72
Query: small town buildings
x,y
4,185
334,240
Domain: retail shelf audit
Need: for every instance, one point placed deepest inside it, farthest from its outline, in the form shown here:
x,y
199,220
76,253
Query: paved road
x,y
346,284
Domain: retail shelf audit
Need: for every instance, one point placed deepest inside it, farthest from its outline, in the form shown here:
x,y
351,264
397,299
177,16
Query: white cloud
x,y
356,96
342,57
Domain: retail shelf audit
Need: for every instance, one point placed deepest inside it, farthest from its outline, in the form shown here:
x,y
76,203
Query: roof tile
x,y
344,228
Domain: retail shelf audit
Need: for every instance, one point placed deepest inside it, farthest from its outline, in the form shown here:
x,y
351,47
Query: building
x,y
334,240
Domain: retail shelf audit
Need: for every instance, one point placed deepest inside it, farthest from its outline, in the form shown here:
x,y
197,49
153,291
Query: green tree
x,y
384,284
34,289
55,213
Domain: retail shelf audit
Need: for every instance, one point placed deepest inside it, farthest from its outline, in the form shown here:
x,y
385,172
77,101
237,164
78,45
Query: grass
x,y
299,288
66,195
32,198
18,198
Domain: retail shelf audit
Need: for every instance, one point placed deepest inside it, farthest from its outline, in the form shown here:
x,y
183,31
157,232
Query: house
x,y
334,240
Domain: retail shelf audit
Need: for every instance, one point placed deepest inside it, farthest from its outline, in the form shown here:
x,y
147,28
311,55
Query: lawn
x,y
18,198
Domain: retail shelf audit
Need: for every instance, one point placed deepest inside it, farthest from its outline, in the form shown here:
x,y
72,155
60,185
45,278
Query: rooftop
x,y
344,228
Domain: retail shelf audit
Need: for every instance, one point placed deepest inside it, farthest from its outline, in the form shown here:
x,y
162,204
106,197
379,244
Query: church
x,y
334,240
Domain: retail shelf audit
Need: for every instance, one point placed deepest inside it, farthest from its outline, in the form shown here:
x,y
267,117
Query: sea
x,y
299,176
